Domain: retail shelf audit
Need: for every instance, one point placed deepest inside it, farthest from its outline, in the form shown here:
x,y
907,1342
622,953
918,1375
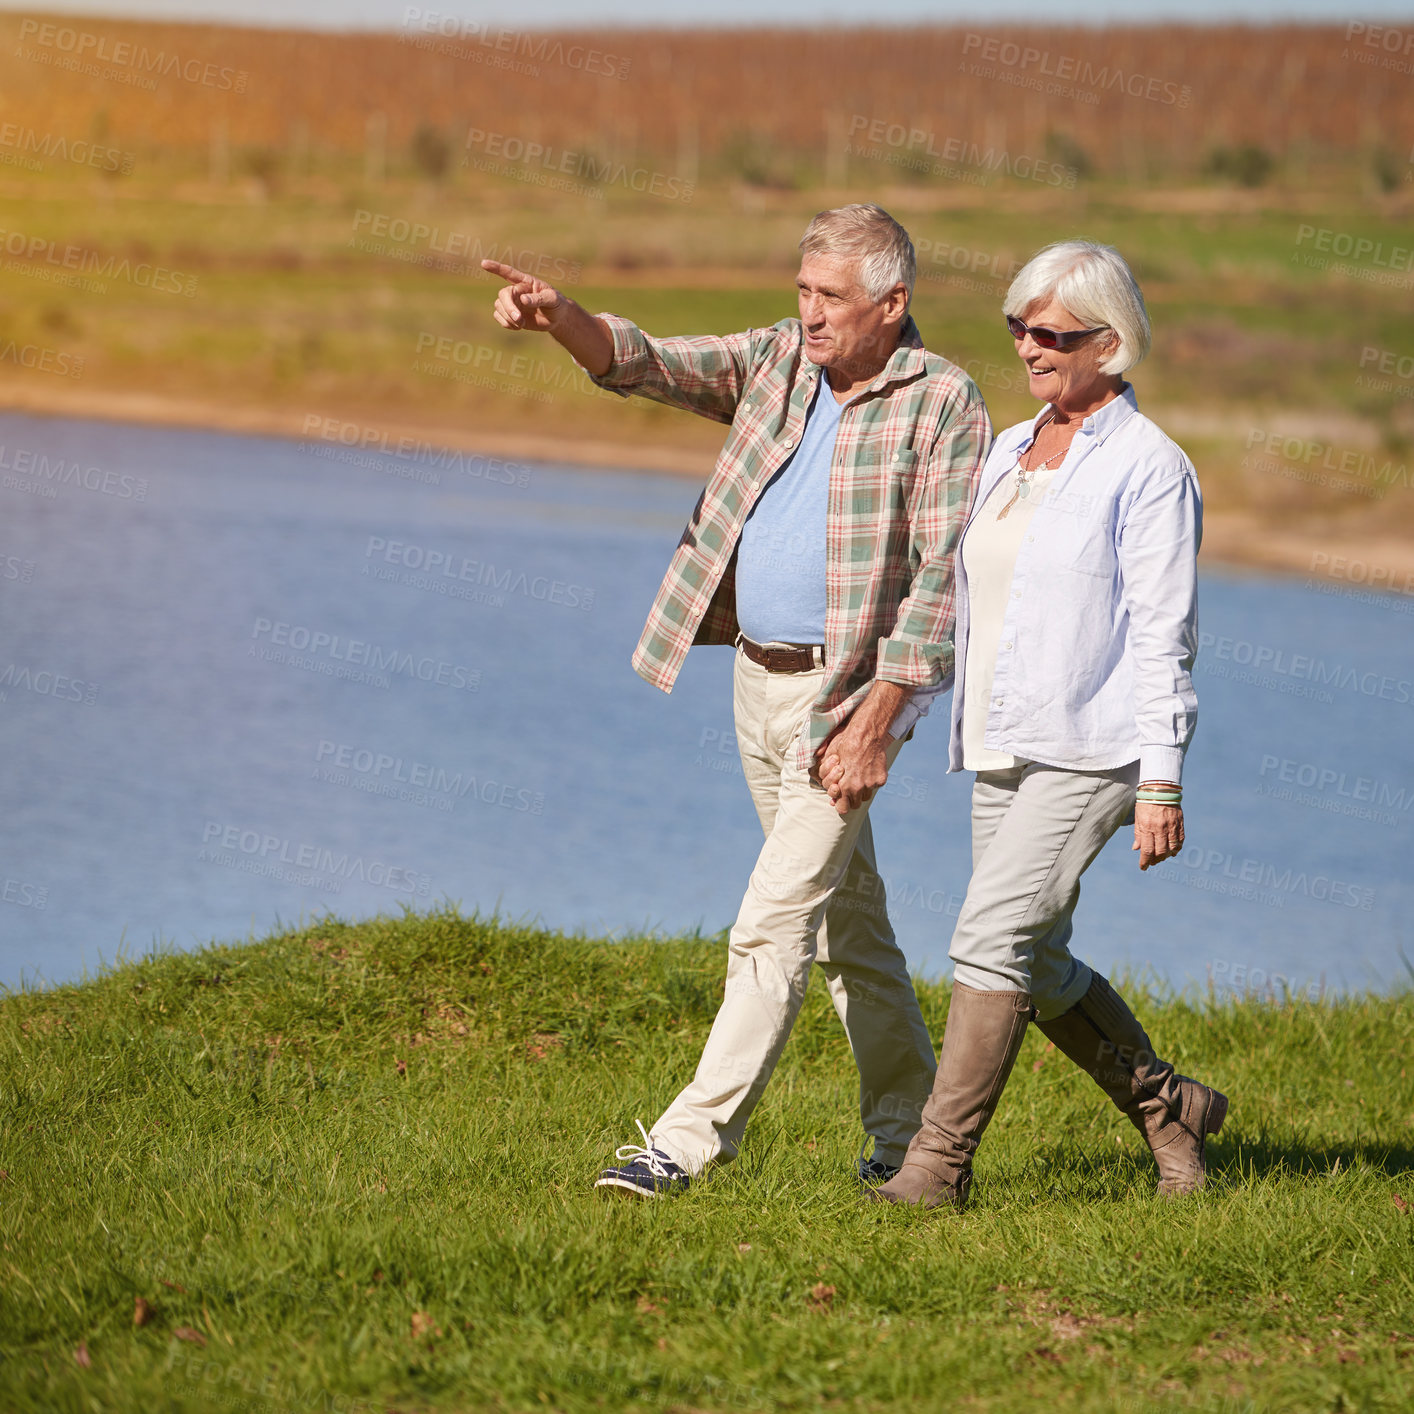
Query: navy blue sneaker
x,y
646,1172
875,1170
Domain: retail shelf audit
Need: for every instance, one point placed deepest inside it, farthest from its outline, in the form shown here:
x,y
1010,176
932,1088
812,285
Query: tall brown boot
x,y
983,1034
1173,1113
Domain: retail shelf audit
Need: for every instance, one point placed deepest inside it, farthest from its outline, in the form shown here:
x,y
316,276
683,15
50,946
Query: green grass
x,y
349,1167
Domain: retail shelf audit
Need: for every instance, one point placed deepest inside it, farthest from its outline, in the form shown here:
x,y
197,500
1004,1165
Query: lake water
x,y
245,680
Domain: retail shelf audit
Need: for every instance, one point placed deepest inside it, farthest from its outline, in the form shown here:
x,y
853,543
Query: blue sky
x,y
525,14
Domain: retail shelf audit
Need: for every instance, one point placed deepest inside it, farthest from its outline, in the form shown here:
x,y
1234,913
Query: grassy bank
x,y
349,1166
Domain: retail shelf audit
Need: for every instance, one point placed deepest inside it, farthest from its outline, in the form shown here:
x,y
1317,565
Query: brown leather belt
x,y
782,660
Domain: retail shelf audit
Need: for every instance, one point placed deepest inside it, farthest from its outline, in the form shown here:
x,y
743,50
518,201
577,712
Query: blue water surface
x,y
247,680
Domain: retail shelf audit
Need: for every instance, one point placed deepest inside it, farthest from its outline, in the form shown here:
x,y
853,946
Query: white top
x,y
1094,667
989,561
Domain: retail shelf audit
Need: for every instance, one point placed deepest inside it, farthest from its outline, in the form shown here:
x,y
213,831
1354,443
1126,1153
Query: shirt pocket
x,y
1077,534
873,481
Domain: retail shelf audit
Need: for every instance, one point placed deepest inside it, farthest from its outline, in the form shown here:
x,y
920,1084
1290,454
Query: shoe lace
x,y
656,1162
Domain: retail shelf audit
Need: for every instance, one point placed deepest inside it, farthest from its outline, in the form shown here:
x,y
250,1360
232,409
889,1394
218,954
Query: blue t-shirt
x,y
780,567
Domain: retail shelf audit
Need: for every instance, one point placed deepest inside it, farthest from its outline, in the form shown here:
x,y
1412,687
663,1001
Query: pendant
x,y
1023,488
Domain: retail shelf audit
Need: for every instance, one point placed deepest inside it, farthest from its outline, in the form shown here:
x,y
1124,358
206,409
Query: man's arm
x,y
704,374
918,653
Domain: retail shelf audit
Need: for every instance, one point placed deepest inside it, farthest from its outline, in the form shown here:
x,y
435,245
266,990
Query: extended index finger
x,y
506,272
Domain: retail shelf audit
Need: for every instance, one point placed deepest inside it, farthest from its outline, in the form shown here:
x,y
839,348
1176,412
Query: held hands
x,y
1158,832
853,761
852,769
526,305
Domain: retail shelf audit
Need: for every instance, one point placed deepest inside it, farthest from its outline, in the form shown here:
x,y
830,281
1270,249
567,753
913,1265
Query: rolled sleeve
x,y
630,356
914,664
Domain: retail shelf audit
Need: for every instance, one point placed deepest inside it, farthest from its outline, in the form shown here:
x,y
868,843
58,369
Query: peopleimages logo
x,y
1386,581
45,682
420,782
35,469
1387,361
1360,248
1380,46
13,567
357,437
319,651
1304,459
488,44
1296,673
537,157
1333,791
1061,69
991,264
274,855
463,361
83,51
1256,981
1385,371
916,149
23,894
380,232
79,260
35,356
1221,872
29,147
438,568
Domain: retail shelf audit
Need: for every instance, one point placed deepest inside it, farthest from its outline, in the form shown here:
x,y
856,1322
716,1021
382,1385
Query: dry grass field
x,y
775,104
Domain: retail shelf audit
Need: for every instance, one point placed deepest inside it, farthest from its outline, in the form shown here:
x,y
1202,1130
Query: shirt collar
x,y
1101,423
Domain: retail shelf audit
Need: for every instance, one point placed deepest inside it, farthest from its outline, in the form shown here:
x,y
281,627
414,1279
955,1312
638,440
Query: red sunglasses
x,y
1049,338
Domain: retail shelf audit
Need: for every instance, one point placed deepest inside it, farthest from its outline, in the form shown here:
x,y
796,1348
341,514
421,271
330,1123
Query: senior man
x,y
822,547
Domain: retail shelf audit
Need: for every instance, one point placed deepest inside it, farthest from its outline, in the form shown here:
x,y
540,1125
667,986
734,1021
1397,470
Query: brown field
x,y
1138,101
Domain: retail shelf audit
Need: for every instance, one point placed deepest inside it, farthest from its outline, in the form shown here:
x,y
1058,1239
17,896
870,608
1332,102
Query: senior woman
x,y
1073,703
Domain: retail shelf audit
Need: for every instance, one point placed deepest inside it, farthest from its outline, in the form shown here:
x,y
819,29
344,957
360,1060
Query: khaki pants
x,y
814,896
1035,831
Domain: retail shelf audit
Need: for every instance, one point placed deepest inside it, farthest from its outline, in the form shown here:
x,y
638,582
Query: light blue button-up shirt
x,y
1095,659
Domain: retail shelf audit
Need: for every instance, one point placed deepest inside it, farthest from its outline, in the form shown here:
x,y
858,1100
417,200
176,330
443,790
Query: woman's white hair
x,y
1095,285
873,237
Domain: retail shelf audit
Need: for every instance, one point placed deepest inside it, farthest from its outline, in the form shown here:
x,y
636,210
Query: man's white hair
x,y
869,234
1095,285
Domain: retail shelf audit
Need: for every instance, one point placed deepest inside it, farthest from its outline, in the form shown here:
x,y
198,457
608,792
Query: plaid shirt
x,y
907,459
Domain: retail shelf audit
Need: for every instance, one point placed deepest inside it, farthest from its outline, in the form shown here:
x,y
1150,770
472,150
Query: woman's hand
x,y
1158,832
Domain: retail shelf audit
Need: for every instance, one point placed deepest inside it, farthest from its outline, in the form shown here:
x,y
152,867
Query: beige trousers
x,y
1035,831
814,896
